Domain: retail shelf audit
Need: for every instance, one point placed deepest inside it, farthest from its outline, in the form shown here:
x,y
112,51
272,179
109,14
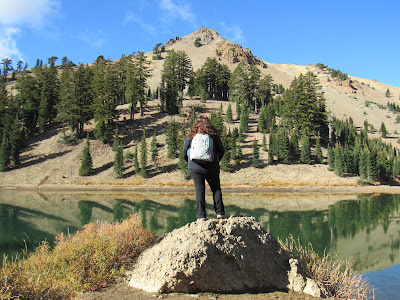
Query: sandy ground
x,y
122,291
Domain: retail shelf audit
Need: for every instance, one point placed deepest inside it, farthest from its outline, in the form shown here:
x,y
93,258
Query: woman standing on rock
x,y
203,151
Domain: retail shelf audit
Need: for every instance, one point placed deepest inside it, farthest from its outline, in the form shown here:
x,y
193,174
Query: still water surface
x,y
365,227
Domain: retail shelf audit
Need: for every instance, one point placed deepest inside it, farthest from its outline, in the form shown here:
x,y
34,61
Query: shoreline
x,y
189,188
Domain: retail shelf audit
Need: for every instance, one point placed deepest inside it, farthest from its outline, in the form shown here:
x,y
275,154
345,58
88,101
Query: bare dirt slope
x,y
48,163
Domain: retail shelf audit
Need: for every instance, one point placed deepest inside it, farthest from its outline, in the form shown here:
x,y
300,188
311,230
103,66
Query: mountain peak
x,y
205,36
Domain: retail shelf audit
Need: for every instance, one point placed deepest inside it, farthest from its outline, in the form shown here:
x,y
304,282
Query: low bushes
x,y
87,260
335,277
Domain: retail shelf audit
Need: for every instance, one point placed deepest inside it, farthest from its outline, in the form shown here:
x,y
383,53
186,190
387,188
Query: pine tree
x,y
116,141
283,147
294,148
43,111
339,167
373,173
106,98
193,118
15,141
67,107
4,153
174,78
271,147
83,77
172,137
217,120
86,168
304,107
349,165
136,160
396,167
119,163
48,84
182,163
383,165
305,152
363,163
228,116
318,150
256,154
183,166
143,156
153,148
264,143
244,119
383,130
233,148
225,161
331,159
137,73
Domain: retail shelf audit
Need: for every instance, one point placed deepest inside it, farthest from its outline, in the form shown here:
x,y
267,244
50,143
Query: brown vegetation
x,y
88,260
335,277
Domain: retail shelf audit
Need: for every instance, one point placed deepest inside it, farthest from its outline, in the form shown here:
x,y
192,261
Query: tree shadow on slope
x,y
27,161
161,170
102,168
133,129
34,139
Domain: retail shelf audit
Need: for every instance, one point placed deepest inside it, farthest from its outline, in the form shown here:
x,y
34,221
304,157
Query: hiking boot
x,y
222,216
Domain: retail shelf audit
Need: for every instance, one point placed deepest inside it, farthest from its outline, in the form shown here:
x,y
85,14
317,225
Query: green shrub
x,y
197,42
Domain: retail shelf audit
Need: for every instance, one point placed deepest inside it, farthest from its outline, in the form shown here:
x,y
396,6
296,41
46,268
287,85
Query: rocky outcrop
x,y
232,255
234,53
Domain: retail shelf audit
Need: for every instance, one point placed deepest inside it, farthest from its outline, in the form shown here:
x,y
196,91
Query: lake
x,y
365,227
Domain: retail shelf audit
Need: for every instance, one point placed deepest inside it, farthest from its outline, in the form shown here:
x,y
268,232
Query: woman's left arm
x,y
220,148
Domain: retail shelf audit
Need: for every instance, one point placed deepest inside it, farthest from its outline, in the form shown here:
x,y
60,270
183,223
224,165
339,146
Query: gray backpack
x,y
201,149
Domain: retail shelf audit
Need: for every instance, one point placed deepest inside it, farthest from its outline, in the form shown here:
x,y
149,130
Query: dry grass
x,y
335,277
285,183
90,259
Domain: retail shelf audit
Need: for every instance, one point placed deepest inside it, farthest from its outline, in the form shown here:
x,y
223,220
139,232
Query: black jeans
x,y
200,186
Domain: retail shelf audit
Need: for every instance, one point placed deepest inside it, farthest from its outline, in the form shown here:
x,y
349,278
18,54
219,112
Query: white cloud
x,y
8,44
178,9
32,13
95,39
131,17
17,14
233,33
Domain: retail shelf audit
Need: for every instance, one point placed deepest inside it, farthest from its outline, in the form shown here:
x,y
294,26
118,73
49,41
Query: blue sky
x,y
360,38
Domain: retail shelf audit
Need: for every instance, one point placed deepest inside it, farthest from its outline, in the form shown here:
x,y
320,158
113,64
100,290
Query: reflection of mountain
x,y
367,228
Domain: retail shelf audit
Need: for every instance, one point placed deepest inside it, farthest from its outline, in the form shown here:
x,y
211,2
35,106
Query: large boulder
x,y
232,255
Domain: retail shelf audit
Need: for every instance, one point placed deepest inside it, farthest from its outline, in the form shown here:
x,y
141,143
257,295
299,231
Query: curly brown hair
x,y
203,125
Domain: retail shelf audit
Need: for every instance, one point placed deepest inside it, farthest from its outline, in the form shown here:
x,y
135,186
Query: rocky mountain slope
x,y
357,98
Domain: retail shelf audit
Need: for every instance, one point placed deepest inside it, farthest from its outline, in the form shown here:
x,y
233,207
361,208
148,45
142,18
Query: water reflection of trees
x,y
320,228
346,218
17,229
